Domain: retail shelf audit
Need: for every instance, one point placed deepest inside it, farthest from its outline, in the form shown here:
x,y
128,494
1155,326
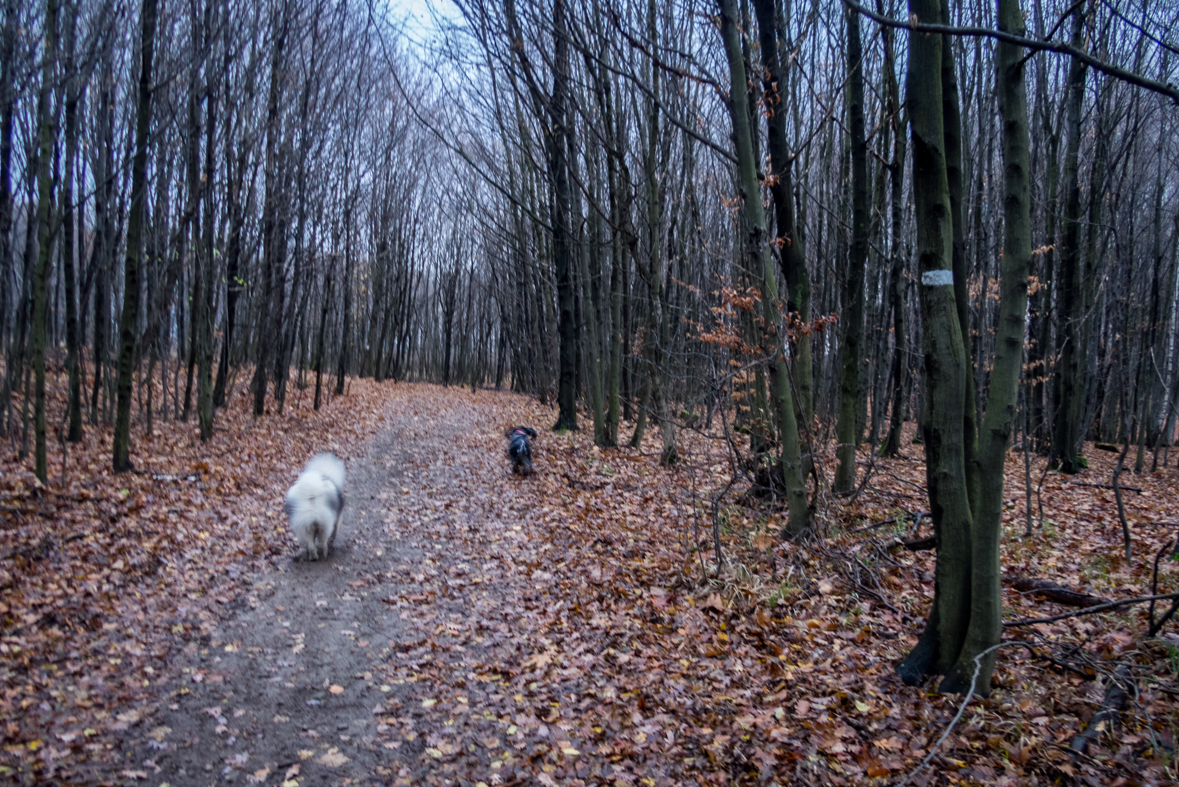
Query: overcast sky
x,y
419,15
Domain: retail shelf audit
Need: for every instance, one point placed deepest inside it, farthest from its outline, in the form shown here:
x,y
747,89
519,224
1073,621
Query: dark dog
x,y
520,450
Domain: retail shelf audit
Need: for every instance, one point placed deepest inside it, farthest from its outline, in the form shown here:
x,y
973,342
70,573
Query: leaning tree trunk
x,y
788,238
759,259
127,329
945,362
847,430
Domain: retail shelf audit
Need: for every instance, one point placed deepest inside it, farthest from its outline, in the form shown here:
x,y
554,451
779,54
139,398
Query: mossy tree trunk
x,y
997,423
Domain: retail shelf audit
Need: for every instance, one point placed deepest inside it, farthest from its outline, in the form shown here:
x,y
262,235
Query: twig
x,y
1040,497
894,520
1091,610
1103,486
851,497
961,710
1112,704
1154,588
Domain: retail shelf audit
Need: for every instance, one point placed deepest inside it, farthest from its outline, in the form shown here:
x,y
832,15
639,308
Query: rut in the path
x,y
291,684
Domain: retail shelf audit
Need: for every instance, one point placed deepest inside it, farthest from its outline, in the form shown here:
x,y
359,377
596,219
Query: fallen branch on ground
x,y
920,544
1090,610
1102,486
1114,701
1052,592
1157,625
894,520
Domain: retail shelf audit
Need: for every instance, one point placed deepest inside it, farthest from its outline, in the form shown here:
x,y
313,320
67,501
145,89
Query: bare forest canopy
x,y
789,224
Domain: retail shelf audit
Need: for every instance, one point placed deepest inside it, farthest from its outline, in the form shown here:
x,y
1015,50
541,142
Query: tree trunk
x,y
896,275
588,249
559,217
7,117
104,232
205,407
46,122
847,430
1068,333
345,327
69,235
986,624
788,239
272,225
945,361
128,327
757,254
614,379
953,153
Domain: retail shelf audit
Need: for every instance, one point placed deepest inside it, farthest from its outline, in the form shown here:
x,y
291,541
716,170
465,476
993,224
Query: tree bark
x,y
757,254
788,239
945,361
47,133
986,624
847,431
1069,333
121,459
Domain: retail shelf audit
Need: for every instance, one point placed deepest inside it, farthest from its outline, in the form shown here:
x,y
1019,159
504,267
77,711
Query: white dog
x,y
315,502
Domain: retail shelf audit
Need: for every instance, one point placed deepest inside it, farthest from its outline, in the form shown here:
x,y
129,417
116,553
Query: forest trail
x,y
474,628
295,679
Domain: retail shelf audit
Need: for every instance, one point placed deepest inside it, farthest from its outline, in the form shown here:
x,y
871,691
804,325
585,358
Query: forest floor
x,y
476,628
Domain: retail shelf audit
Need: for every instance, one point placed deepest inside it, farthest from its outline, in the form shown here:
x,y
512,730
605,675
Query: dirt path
x,y
291,686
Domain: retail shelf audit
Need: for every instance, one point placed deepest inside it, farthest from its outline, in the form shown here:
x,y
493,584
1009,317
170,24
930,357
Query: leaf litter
x,y
574,627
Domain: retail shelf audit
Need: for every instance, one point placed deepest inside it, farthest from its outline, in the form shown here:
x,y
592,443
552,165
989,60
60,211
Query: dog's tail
x,y
328,466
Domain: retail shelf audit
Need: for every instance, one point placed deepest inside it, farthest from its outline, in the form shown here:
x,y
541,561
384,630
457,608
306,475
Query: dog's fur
x,y
520,450
314,505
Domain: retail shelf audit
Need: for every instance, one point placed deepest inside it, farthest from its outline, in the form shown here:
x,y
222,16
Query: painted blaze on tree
x,y
964,623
